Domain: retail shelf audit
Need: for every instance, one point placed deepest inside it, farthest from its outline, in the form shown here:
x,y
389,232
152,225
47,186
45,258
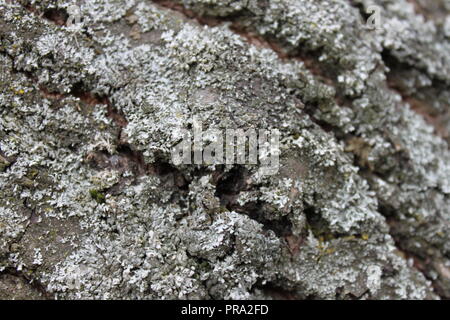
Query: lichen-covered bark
x,y
91,205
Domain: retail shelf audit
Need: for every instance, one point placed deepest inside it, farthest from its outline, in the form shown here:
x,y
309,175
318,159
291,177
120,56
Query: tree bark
x,y
95,96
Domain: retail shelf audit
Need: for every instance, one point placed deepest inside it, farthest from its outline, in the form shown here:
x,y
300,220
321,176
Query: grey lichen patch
x,y
93,205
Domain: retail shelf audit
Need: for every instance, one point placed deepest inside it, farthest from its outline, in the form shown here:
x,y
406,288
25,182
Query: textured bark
x,y
92,206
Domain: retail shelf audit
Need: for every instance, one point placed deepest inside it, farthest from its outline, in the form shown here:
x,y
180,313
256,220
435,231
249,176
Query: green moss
x,y
97,195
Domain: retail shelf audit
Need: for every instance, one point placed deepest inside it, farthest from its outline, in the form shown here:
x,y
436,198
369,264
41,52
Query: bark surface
x,y
92,206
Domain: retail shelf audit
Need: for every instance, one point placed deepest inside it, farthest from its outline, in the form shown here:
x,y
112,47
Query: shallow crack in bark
x,y
421,107
432,116
430,10
428,114
421,263
228,187
161,168
34,284
58,16
308,58
126,151
127,156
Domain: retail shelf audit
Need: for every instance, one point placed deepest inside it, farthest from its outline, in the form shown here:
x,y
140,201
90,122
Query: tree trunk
x,y
95,97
